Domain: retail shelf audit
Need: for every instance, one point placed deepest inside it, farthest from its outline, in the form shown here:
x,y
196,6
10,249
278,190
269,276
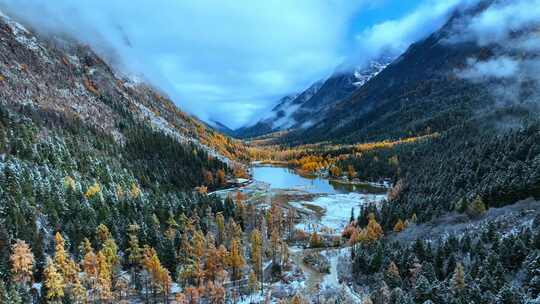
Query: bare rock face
x,y
318,262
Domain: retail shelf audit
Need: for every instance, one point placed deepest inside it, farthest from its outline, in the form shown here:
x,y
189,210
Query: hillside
x,y
82,147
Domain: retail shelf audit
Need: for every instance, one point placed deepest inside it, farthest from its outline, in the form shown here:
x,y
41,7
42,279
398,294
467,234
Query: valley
x,y
408,173
320,207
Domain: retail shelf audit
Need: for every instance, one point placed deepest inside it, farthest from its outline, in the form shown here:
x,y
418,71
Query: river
x,y
326,210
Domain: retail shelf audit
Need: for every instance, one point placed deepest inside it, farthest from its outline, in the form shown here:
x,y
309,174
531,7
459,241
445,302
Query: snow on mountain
x,y
363,75
307,108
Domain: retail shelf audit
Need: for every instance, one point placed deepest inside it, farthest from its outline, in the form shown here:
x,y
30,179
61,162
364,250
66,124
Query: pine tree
x,y
423,289
5,241
477,207
54,282
509,295
532,264
134,253
392,276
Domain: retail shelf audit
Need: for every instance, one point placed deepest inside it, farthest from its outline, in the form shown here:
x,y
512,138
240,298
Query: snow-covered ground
x,y
337,209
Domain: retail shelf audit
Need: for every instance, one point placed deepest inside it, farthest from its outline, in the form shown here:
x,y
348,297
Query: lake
x,y
285,178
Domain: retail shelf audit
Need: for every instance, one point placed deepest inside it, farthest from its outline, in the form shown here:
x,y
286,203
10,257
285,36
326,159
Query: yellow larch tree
x,y
22,263
61,258
399,226
104,283
54,282
374,229
236,259
256,251
220,223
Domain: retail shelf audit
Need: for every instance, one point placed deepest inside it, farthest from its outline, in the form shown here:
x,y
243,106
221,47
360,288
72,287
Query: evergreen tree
x,y
423,290
392,276
458,280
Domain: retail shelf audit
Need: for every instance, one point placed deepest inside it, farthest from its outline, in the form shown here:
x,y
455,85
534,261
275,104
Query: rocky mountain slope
x,y
58,75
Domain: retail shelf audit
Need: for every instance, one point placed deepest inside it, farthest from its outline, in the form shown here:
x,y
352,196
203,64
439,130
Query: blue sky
x,y
231,60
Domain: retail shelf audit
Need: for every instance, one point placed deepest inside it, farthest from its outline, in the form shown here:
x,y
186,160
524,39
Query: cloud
x,y
499,22
499,67
393,37
510,31
220,60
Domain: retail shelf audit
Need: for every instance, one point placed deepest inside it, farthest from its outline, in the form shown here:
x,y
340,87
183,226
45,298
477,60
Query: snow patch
x,y
337,209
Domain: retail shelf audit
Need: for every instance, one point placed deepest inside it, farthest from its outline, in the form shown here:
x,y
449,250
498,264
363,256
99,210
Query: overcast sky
x,y
229,60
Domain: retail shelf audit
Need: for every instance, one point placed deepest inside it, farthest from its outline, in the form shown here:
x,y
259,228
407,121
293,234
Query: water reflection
x,y
285,178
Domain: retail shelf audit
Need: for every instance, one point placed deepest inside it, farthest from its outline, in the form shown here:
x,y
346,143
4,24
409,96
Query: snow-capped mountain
x,y
308,107
374,67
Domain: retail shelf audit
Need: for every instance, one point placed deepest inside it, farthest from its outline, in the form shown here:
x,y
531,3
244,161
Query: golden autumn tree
x,y
54,282
222,180
85,247
90,269
315,240
159,275
199,245
335,171
220,223
236,259
351,173
92,190
78,293
374,229
22,263
216,293
253,283
61,258
134,191
104,282
256,251
212,263
399,226
103,233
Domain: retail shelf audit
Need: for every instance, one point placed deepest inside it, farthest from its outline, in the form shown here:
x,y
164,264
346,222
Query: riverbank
x,y
321,206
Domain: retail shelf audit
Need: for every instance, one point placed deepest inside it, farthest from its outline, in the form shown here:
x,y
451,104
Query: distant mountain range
x,y
439,82
303,110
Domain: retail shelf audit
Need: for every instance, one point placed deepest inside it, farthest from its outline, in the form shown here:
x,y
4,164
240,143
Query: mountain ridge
x,y
297,111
